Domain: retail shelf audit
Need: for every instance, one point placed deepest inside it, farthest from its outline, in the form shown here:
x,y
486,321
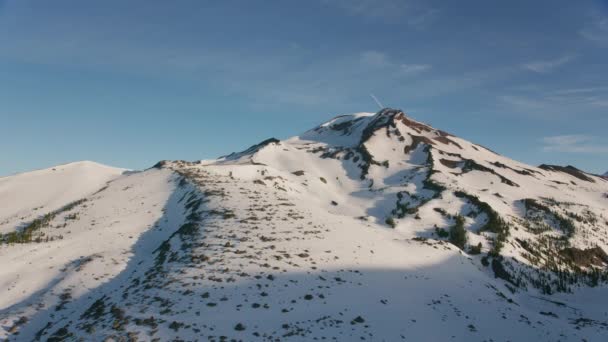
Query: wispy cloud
x,y
585,90
414,13
585,101
374,8
596,30
547,65
377,59
424,19
522,102
414,68
574,143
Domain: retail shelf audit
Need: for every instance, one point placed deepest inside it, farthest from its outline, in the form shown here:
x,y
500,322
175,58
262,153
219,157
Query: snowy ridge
x,y
371,226
37,192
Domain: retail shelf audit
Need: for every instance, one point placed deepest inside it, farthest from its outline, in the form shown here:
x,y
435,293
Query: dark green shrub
x,y
474,250
458,235
442,233
485,262
495,223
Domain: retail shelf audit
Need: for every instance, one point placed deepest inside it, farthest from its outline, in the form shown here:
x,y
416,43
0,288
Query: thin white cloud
x,y
372,8
522,102
375,59
423,19
409,69
574,143
557,103
596,30
414,13
569,139
599,102
585,90
547,65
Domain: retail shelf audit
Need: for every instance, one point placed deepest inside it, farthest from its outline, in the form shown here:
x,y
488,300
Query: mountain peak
x,y
355,129
411,221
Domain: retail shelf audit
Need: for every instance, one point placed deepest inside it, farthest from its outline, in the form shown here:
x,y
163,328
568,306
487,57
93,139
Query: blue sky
x,y
128,83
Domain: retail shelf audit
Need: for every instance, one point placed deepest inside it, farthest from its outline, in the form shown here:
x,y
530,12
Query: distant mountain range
x,y
371,226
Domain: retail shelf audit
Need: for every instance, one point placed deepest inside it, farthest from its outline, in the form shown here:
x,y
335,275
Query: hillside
x,y
371,226
27,195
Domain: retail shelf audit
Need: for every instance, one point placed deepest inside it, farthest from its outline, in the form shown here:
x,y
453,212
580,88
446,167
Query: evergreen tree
x,y
458,235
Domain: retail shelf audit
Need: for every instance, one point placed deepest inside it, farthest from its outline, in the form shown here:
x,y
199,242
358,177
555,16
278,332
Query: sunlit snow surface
x,y
289,241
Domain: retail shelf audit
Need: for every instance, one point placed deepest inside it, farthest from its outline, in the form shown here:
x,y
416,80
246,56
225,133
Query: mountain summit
x,y
371,226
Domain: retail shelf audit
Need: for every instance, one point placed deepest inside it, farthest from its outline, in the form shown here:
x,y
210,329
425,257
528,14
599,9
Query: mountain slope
x,y
370,226
30,194
87,244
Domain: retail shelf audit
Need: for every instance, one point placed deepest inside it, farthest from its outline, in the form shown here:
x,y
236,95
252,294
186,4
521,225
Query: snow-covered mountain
x,y
370,227
27,195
